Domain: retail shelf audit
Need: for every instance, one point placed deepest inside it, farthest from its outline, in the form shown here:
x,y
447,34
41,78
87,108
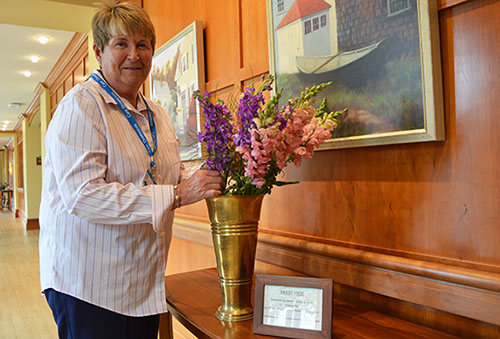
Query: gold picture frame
x,y
390,83
293,307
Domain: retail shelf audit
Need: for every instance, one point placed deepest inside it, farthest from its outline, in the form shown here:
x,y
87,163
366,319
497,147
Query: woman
x,y
110,186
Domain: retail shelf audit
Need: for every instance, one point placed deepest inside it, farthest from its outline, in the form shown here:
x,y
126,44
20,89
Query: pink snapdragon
x,y
257,142
293,132
296,142
314,135
260,152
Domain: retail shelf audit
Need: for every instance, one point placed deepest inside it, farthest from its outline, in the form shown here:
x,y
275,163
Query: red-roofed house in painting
x,y
297,33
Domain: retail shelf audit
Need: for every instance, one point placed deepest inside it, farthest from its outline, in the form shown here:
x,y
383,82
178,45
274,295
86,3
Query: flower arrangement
x,y
253,145
3,185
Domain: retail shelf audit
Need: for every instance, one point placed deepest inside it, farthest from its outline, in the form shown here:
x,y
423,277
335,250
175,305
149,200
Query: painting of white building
x,y
303,28
370,51
176,73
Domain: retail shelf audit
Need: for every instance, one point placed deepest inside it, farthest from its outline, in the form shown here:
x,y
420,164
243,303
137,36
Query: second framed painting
x,y
382,57
176,73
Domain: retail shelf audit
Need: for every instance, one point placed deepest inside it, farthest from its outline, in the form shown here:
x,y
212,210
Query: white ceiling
x,y
21,21
19,44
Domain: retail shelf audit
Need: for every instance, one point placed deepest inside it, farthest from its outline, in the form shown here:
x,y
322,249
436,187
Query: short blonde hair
x,y
124,18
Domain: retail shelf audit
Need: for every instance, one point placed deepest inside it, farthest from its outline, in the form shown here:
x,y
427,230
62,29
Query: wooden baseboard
x,y
461,291
455,290
31,224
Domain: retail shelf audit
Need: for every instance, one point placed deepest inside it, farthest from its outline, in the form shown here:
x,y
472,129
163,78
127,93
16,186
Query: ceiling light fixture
x,y
43,39
34,58
27,74
14,105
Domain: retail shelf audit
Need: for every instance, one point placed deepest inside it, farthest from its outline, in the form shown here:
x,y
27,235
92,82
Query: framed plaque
x,y
293,307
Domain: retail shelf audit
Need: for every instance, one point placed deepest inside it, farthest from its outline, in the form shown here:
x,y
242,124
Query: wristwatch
x,y
177,198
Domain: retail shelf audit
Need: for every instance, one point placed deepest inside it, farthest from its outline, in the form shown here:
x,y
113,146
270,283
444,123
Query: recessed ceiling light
x,y
6,122
34,58
43,39
14,105
27,74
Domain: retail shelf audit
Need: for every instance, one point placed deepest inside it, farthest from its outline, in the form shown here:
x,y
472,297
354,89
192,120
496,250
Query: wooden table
x,y
193,299
6,199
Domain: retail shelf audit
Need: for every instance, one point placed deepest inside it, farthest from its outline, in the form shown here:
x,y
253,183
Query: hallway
x,y
24,314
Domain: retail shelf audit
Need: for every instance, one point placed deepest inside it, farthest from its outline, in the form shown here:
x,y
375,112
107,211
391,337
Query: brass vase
x,y
234,221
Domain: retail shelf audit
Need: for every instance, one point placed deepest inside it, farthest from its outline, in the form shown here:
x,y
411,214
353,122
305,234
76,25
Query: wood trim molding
x,y
78,44
219,84
461,291
31,224
32,109
430,270
442,4
9,133
40,87
248,72
194,229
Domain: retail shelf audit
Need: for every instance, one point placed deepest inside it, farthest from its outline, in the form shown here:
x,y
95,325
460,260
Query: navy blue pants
x,y
77,319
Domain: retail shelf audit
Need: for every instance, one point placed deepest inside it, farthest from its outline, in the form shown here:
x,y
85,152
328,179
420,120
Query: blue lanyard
x,y
131,119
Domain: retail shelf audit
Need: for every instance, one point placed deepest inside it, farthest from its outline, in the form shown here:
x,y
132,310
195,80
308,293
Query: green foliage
x,y
307,96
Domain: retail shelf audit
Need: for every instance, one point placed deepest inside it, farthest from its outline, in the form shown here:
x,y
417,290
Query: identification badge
x,y
148,179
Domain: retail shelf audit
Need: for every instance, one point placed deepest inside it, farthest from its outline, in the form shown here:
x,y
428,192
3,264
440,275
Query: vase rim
x,y
236,196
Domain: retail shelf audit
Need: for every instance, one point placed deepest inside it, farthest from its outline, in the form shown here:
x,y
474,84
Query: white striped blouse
x,y
104,237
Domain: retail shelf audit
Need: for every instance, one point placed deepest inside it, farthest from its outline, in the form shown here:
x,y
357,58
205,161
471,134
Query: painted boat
x,y
350,68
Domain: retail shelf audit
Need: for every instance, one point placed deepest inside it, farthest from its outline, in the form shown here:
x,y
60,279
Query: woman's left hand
x,y
202,184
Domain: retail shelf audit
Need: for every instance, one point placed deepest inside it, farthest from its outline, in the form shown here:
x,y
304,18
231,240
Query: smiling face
x,y
125,63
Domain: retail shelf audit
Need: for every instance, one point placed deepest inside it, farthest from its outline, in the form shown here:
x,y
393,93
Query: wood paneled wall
x,y
416,226
71,68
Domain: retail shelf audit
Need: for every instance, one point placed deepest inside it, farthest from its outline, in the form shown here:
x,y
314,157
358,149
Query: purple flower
x,y
251,146
281,119
247,111
218,133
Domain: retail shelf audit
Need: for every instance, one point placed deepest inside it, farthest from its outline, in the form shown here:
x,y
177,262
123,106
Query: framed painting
x,y
382,57
293,307
177,72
